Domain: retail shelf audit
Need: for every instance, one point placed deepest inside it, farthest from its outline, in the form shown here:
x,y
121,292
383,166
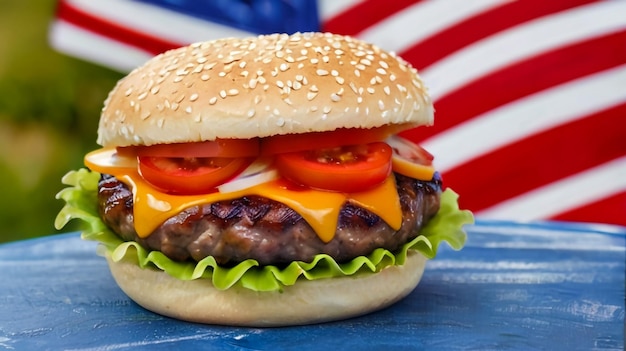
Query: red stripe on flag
x,y
487,23
540,159
510,83
85,20
610,210
363,15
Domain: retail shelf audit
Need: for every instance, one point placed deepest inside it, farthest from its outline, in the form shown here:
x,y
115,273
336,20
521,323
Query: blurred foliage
x,y
49,111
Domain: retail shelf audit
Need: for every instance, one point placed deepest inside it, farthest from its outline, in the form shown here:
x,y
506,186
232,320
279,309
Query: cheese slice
x,y
319,208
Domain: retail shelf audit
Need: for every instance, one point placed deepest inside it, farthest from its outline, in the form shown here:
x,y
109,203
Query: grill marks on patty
x,y
268,231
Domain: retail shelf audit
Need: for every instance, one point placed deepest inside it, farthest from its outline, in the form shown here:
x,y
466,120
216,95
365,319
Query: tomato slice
x,y
226,148
410,151
322,140
411,159
190,175
344,169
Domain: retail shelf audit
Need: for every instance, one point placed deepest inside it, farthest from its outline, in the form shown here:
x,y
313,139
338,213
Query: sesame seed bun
x,y
307,302
263,86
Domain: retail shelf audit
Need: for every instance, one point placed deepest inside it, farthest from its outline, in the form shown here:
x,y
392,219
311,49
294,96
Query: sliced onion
x,y
259,172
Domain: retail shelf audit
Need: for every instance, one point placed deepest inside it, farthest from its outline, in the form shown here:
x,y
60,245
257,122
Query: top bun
x,y
262,86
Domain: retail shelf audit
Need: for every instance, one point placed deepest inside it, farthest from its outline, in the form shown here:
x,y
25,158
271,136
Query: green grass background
x,y
49,111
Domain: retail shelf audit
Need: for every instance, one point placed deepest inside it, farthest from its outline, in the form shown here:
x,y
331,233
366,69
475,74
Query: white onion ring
x,y
259,172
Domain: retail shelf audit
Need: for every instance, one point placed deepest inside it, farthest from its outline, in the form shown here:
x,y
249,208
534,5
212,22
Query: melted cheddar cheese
x,y
319,208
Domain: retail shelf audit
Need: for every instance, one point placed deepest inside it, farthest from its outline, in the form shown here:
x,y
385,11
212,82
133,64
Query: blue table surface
x,y
551,286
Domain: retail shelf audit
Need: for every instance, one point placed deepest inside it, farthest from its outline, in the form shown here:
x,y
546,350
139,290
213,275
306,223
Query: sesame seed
x,y
188,109
174,106
252,83
335,97
145,115
178,79
142,95
366,62
314,88
212,100
326,109
334,73
321,72
155,90
381,71
251,113
128,92
387,90
383,64
357,73
223,94
359,99
280,84
222,74
205,77
283,67
242,64
370,90
201,59
311,95
353,87
276,112
392,77
339,80
193,97
381,105
233,92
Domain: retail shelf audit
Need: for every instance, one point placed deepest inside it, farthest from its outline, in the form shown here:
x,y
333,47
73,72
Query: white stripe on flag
x,y
569,193
523,41
158,22
535,113
419,21
70,39
328,9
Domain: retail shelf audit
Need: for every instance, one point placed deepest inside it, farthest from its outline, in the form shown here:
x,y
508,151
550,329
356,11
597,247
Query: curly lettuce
x,y
81,203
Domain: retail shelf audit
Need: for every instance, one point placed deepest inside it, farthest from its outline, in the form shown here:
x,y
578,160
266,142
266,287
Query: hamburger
x,y
261,182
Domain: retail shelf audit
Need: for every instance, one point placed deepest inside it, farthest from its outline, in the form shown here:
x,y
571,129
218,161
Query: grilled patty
x,y
268,231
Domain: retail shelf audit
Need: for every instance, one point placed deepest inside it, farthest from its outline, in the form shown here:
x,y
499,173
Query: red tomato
x,y
226,148
322,140
190,175
410,151
345,169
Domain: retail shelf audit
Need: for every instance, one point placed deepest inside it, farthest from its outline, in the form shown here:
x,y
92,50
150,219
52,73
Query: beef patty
x,y
268,231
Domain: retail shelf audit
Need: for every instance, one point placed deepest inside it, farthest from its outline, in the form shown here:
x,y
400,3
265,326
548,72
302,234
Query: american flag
x,y
530,95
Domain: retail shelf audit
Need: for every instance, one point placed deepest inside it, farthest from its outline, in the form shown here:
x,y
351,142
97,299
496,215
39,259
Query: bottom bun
x,y
306,302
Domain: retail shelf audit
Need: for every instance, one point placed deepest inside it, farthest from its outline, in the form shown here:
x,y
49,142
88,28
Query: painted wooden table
x,y
550,286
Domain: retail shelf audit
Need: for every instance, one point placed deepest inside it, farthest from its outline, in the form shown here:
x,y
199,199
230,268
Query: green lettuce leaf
x,y
81,203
